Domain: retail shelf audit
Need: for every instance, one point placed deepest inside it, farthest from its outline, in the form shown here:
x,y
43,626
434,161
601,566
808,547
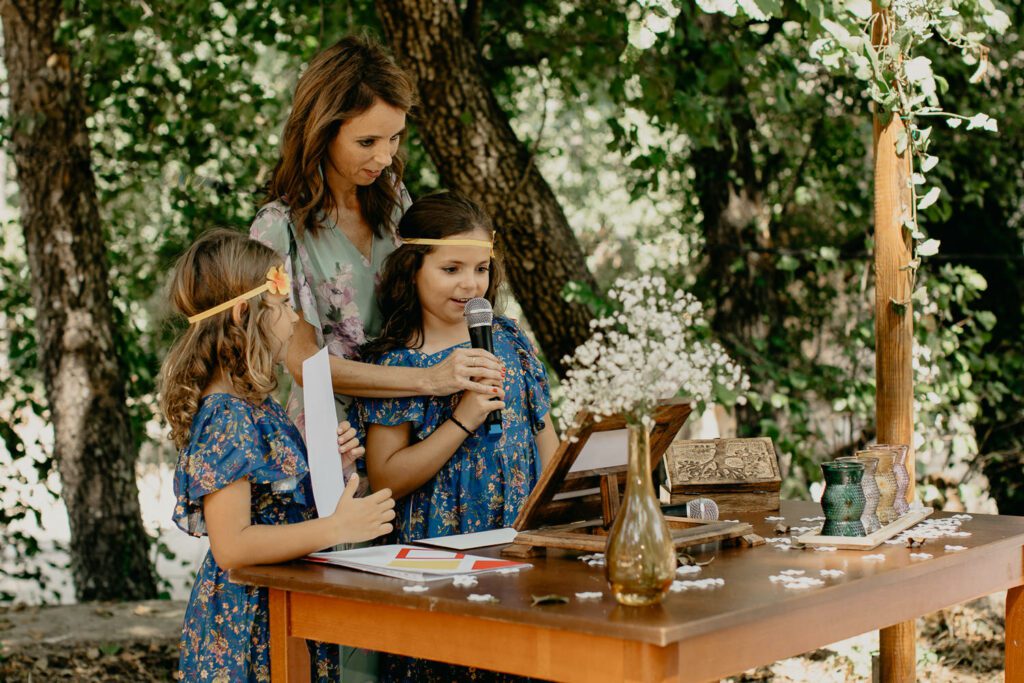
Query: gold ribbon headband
x,y
277,282
450,243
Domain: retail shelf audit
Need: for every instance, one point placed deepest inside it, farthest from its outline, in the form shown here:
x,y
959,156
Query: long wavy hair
x,y
339,84
219,266
435,216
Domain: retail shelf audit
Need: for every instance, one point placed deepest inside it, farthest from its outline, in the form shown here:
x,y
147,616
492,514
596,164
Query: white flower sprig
x,y
646,350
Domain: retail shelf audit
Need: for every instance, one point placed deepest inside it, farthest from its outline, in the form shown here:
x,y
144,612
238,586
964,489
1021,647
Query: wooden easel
x,y
582,522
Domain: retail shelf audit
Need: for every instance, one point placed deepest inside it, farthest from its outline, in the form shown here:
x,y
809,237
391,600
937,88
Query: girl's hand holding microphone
x,y
474,406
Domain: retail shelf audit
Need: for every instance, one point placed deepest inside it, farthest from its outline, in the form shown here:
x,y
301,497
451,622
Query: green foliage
x,y
662,126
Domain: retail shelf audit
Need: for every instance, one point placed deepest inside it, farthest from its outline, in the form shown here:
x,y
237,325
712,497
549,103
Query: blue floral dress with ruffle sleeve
x,y
226,634
485,483
482,486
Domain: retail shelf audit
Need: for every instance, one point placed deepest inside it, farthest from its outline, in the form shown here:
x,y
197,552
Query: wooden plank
x,y
872,540
894,339
685,532
609,498
886,592
668,417
289,658
1014,663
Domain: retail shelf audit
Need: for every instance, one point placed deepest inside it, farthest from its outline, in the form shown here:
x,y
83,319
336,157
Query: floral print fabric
x,y
485,483
333,285
482,486
226,634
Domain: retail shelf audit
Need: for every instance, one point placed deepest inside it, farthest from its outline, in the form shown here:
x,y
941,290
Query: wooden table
x,y
697,635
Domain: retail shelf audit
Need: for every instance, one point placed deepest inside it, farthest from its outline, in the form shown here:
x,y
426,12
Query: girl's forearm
x,y
270,544
409,468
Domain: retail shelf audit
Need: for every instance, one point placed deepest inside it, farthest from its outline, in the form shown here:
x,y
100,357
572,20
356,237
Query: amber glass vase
x,y
640,556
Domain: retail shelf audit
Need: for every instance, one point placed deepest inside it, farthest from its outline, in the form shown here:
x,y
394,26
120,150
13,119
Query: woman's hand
x,y
474,406
360,519
465,370
348,445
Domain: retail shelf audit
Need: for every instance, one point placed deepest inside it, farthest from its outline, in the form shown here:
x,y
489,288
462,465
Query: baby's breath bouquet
x,y
652,345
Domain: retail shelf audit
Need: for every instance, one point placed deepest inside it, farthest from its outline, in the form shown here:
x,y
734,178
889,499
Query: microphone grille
x,y
478,312
702,508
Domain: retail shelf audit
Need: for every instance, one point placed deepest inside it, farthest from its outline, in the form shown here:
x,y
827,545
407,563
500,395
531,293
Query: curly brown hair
x,y
435,216
339,84
219,266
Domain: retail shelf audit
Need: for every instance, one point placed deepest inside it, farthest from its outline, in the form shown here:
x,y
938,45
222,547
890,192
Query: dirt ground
x,y
137,642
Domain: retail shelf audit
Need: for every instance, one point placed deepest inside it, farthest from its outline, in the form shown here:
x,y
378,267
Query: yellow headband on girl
x,y
277,282
450,242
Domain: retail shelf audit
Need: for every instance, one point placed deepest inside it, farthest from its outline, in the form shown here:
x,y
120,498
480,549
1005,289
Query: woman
x,y
333,203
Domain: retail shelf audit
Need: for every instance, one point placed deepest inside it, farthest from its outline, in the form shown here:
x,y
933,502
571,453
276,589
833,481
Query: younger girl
x,y
242,475
432,451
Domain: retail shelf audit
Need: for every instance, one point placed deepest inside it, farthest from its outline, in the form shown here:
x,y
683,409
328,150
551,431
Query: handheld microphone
x,y
479,318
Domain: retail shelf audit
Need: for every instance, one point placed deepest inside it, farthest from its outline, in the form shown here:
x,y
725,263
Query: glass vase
x,y
869,518
843,498
640,556
899,468
886,480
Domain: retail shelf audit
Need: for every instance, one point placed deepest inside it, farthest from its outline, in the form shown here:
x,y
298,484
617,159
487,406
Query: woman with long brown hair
x,y
334,200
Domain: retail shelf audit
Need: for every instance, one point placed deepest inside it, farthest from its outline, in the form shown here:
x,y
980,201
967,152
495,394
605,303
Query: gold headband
x,y
450,243
277,282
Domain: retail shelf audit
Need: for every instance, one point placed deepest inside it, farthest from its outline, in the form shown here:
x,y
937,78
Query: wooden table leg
x,y
1014,662
897,653
289,658
646,662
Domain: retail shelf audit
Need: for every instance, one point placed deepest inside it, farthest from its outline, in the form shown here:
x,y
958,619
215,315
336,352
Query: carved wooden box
x,y
740,475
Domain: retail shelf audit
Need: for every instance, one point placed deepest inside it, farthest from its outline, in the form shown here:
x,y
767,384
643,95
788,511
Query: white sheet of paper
x,y
603,449
322,433
477,539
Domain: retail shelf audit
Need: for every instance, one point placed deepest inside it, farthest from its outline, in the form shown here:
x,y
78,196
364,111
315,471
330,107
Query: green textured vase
x,y
843,498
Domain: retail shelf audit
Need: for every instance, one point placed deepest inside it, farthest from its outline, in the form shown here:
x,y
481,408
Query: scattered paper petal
x,y
796,582
464,581
832,573
826,549
793,572
875,558
955,548
812,519
478,597
419,588
509,570
593,595
701,584
688,569
921,556
774,519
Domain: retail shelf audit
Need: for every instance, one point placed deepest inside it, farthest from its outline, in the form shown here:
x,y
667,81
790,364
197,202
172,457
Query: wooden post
x,y
894,392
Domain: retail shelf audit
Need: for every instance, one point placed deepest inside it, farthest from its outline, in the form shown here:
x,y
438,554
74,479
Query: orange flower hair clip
x,y
277,282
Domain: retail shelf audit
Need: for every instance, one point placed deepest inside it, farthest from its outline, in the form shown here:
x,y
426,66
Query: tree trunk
x,y
82,375
469,138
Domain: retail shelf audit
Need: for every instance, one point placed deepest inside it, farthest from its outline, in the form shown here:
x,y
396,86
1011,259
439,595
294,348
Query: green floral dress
x,y
333,286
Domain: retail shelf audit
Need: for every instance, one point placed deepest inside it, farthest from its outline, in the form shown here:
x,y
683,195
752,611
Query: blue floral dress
x,y
226,633
485,482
